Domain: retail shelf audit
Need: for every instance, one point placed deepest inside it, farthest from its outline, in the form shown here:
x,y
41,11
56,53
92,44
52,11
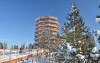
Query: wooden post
x,y
10,56
0,56
22,56
4,50
22,53
17,55
34,60
27,55
29,52
42,56
37,52
32,55
22,61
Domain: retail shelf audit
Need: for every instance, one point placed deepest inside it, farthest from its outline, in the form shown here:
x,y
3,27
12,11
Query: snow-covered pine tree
x,y
76,32
78,36
95,52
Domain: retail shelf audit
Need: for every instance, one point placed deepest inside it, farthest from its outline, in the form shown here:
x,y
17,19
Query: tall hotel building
x,y
46,23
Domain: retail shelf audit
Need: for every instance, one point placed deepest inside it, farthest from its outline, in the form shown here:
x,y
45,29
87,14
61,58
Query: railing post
x,y
27,54
17,55
37,52
22,53
10,56
32,55
34,61
43,54
42,58
0,56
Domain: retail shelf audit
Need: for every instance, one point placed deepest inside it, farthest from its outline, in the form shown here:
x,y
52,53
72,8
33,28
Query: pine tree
x,y
30,46
5,45
54,40
95,52
77,35
12,47
43,43
75,30
1,45
23,46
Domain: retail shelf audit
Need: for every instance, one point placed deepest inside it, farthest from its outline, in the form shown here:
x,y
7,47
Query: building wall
x,y
43,24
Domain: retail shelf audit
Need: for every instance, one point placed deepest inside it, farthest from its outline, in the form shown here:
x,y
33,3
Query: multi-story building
x,y
43,24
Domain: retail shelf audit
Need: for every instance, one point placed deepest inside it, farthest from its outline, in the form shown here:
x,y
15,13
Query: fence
x,y
14,56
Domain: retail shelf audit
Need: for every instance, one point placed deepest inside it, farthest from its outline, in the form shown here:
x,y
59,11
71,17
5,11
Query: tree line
x,y
4,45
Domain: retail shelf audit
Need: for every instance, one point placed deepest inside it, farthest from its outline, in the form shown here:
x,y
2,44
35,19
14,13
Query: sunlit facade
x,y
46,23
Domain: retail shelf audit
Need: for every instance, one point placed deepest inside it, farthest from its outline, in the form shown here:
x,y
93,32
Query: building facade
x,y
46,24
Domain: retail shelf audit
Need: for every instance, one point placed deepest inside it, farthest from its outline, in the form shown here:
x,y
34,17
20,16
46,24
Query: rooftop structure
x,y
43,24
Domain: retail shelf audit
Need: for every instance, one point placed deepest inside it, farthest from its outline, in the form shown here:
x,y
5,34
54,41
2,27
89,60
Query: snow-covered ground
x,y
14,55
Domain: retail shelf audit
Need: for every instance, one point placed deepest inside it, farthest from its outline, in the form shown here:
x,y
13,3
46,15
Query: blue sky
x,y
17,17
